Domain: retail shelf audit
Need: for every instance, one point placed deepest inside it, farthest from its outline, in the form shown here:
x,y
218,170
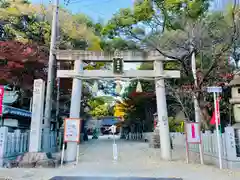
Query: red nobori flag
x,y
1,99
213,120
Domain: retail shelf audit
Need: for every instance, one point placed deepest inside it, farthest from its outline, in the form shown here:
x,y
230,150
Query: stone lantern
x,y
155,137
235,99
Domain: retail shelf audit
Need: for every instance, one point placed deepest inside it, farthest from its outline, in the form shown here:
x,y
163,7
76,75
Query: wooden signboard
x,y
193,136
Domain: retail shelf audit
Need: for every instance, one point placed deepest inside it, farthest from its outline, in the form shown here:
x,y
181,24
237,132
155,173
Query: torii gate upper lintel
x,y
78,74
102,56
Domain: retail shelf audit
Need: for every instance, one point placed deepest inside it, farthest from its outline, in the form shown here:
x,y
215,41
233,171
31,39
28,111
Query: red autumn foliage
x,y
227,76
21,63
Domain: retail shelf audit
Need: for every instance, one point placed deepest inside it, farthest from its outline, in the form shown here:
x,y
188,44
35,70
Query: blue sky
x,y
96,9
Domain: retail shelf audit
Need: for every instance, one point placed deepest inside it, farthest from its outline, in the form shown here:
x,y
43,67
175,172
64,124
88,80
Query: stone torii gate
x,y
78,74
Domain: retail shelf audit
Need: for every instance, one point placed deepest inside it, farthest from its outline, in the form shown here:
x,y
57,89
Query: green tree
x,y
20,23
177,29
99,107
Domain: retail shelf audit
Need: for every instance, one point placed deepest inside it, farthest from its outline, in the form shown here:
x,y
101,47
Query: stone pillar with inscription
x,y
3,144
231,148
233,132
37,116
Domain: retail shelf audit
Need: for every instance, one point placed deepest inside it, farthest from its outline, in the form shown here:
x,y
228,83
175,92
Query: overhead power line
x,y
91,4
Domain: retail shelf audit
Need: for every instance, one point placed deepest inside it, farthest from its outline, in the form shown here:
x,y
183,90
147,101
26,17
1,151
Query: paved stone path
x,y
136,159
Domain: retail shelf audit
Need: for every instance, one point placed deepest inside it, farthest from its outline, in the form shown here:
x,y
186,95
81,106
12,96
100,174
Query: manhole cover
x,y
108,178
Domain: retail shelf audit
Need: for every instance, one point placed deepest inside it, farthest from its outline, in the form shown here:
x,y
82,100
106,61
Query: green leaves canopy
x,y
99,107
176,29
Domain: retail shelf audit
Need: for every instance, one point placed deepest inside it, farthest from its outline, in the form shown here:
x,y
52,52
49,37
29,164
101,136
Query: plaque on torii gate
x,y
117,63
158,74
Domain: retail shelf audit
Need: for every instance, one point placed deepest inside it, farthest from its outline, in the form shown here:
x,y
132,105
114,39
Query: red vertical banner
x,y
193,131
1,99
214,119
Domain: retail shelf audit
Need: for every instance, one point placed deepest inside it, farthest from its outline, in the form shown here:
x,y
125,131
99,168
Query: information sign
x,y
193,133
71,130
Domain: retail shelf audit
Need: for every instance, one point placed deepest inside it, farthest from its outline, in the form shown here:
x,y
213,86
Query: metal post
x,y
62,155
114,141
115,150
50,80
162,114
217,129
187,148
30,107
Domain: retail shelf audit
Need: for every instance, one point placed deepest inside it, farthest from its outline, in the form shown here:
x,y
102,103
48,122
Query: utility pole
x,y
50,78
195,100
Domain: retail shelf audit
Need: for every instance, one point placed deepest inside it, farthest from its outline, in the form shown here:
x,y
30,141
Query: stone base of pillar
x,y
71,152
39,159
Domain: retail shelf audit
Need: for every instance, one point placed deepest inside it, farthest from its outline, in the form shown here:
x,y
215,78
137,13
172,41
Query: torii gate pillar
x,y
75,107
164,133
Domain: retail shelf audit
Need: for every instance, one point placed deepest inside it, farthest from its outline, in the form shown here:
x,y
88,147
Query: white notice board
x,y
71,130
193,133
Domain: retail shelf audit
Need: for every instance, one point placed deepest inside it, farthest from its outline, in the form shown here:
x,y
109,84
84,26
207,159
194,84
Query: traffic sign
x,y
214,89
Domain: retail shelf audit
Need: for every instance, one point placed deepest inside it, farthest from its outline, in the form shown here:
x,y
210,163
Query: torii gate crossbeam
x,y
78,74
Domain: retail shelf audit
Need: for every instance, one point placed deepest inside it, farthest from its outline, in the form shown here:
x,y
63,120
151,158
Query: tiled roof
x,y
16,111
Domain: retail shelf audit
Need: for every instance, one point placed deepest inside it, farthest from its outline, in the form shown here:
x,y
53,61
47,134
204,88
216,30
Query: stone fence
x,y
12,144
229,142
15,143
